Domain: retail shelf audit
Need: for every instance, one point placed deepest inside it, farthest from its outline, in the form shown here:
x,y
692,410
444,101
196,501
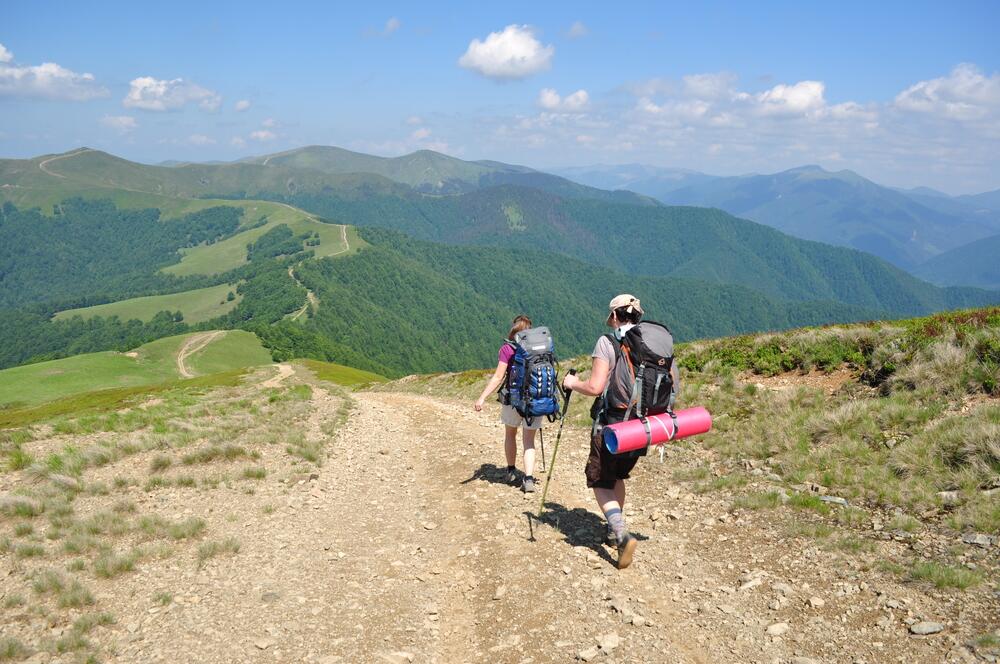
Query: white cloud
x,y
512,53
391,26
242,105
414,120
45,81
420,134
153,94
550,100
965,94
238,141
263,135
796,99
122,123
710,86
942,132
269,122
578,30
200,139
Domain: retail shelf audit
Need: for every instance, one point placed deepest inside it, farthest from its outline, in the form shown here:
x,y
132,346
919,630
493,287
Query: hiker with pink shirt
x,y
510,418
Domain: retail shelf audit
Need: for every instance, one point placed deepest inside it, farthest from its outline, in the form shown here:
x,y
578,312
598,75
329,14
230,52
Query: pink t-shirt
x,y
505,353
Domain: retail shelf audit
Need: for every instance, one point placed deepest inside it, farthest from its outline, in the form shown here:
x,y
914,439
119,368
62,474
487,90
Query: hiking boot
x,y
625,550
510,477
529,484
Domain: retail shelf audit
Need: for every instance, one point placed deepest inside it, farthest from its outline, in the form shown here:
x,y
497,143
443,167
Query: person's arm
x,y
593,386
495,380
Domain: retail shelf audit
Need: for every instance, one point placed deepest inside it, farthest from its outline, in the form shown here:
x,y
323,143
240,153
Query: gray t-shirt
x,y
605,350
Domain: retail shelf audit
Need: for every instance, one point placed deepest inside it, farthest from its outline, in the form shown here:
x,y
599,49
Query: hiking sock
x,y
616,520
511,469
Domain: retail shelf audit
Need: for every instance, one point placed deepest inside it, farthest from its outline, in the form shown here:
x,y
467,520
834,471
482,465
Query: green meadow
x,y
153,363
196,305
232,252
340,374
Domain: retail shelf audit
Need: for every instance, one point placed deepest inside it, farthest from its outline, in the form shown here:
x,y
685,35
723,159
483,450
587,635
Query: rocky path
x,y
406,546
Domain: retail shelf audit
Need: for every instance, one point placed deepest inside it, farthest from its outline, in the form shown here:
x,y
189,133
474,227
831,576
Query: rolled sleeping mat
x,y
636,434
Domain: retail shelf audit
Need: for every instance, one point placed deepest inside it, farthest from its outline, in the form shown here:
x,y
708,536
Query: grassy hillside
x,y
231,253
901,415
196,305
973,264
339,374
149,364
316,169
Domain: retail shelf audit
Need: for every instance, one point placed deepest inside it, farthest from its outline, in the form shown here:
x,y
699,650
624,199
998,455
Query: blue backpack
x,y
532,382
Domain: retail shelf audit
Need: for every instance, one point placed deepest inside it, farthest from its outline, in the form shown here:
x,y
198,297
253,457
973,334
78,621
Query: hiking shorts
x,y
512,418
604,469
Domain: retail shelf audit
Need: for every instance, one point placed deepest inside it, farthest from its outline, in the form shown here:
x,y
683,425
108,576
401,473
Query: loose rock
x,y
925,627
777,629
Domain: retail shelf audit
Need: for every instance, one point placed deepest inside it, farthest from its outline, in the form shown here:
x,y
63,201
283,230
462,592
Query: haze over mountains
x,y
906,228
521,240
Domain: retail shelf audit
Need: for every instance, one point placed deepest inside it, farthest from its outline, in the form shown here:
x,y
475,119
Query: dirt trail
x,y
194,344
407,546
41,164
311,299
408,542
284,371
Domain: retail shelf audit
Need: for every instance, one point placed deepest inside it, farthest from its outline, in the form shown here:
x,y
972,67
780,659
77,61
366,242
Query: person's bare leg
x,y
528,440
620,493
510,444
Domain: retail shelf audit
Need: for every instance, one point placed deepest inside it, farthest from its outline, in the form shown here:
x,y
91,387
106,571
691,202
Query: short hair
x,y
520,324
625,316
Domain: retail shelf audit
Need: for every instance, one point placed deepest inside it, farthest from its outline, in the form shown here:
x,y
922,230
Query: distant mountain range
x,y
905,228
974,264
520,240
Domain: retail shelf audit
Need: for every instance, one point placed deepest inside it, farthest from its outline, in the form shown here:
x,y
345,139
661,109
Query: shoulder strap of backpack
x,y
506,377
604,395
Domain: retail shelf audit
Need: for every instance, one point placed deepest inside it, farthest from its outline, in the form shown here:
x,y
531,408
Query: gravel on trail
x,y
407,546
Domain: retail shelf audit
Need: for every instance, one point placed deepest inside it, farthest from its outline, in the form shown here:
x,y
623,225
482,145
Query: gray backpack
x,y
641,383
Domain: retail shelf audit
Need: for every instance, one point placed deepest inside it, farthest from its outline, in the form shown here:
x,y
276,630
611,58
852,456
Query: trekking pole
x,y
555,451
541,444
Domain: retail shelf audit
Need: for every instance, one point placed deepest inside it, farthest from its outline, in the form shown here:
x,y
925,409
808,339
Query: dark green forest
x,y
91,252
416,306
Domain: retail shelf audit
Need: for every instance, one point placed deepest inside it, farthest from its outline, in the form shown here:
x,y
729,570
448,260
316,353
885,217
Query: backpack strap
x,y
604,395
504,390
635,397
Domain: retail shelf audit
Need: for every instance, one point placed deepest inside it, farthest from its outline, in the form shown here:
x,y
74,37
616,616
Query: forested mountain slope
x,y
667,241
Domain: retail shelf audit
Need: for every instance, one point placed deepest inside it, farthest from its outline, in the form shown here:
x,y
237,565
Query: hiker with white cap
x,y
620,394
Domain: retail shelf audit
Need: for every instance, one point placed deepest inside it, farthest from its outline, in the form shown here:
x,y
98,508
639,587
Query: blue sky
x,y
905,93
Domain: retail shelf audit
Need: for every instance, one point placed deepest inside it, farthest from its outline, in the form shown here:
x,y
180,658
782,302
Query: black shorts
x,y
604,469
